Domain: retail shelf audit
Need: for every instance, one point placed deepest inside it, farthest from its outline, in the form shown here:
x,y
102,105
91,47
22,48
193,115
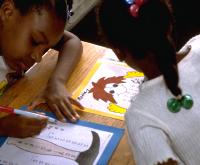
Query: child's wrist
x,y
54,81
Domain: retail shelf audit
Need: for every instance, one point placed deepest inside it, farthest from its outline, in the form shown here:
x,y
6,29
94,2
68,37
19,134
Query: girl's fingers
x,y
72,110
67,110
36,102
27,127
37,122
30,132
185,50
57,112
76,103
62,109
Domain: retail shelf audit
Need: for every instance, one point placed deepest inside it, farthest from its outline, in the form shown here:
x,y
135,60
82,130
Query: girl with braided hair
x,y
27,30
163,119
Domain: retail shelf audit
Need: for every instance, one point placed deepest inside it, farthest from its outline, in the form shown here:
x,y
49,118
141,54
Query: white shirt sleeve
x,y
149,143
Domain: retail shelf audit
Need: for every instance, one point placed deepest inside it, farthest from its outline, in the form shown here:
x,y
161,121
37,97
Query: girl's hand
x,y
20,126
59,101
183,52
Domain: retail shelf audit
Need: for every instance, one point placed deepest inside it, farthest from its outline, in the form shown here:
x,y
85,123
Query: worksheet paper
x,y
84,143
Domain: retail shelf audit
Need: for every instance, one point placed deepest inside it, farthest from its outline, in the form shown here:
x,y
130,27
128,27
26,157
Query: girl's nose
x,y
37,57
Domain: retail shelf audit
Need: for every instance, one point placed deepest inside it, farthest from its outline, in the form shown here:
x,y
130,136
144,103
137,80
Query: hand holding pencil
x,y
21,126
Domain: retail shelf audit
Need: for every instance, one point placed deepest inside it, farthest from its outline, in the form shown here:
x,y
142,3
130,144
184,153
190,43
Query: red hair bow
x,y
135,7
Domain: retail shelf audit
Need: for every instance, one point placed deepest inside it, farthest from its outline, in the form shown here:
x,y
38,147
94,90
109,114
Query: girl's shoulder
x,y
194,41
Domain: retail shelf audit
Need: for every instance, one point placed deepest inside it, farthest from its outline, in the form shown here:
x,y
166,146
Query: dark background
x,y
87,29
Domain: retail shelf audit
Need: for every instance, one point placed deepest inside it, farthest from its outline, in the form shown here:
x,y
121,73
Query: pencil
x,y
26,113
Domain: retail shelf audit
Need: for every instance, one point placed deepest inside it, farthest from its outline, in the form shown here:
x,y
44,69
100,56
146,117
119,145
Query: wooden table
x,y
26,89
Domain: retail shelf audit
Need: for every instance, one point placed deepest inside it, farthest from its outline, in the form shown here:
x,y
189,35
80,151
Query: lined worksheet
x,y
59,144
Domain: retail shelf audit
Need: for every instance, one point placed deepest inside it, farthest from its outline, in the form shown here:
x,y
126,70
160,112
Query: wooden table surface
x,y
26,89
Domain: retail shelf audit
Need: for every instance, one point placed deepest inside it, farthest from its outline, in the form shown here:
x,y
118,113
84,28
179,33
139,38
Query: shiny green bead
x,y
187,101
174,105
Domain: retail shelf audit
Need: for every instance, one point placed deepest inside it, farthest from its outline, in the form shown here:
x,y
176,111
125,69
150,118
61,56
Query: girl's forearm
x,y
70,51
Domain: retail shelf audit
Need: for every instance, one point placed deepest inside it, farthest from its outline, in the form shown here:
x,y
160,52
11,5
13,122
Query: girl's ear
x,y
7,9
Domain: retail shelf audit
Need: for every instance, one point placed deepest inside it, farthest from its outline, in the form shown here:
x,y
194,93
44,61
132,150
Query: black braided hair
x,y
59,6
149,32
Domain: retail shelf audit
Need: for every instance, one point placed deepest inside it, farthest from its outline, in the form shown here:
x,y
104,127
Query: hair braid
x,y
166,60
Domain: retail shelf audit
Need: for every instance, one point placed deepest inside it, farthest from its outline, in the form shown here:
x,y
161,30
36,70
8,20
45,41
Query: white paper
x,y
60,144
110,89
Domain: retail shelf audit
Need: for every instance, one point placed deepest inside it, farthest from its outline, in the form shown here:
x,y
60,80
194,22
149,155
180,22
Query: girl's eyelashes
x,y
35,43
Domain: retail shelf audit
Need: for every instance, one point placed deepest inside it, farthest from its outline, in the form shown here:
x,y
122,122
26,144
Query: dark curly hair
x,y
60,7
